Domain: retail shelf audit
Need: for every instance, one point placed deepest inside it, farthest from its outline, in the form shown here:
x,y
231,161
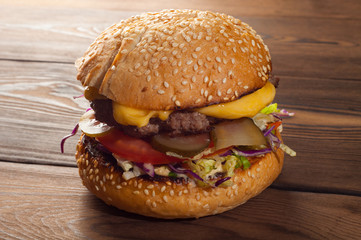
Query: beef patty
x,y
178,122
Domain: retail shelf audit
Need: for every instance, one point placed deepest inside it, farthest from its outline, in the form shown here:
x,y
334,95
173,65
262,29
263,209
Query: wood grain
x,y
296,46
50,202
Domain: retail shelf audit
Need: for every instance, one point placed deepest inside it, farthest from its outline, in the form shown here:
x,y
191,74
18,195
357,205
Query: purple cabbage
x,y
268,131
148,168
222,180
184,171
75,130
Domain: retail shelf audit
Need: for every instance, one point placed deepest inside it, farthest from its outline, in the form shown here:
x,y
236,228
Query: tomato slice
x,y
134,149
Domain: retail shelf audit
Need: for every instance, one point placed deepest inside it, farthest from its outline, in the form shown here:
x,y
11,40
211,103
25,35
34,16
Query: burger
x,y
181,122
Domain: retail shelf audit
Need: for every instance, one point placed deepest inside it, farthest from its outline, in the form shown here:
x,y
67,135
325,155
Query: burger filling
x,y
206,145
187,146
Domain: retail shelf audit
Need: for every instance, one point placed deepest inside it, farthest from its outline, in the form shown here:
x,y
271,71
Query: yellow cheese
x,y
247,106
136,117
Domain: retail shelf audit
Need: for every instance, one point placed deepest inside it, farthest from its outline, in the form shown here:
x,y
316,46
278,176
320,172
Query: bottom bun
x,y
168,199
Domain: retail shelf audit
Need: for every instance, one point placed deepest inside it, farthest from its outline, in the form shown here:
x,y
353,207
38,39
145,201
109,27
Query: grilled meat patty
x,y
178,122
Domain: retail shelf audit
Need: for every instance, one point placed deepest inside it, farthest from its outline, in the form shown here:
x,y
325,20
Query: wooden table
x,y
316,52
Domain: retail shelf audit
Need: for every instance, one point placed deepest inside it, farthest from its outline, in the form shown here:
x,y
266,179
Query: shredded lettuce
x,y
272,108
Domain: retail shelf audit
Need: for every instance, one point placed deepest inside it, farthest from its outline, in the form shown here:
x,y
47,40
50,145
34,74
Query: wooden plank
x,y
296,45
307,8
40,95
48,202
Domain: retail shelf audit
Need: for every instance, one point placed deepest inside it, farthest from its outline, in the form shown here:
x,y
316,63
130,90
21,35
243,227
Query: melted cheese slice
x,y
247,106
136,117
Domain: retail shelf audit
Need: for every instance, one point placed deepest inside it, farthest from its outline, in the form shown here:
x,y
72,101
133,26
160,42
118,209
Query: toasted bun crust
x,y
171,200
176,59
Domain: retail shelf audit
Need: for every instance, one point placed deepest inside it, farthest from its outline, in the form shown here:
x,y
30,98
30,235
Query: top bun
x,y
176,59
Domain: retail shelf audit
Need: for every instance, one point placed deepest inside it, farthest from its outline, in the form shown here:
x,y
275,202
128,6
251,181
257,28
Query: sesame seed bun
x,y
176,59
166,199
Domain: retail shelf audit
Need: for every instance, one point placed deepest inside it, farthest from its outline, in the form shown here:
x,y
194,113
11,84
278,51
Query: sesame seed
x,y
234,49
113,68
245,87
243,50
206,93
166,84
153,193
171,193
210,98
208,58
206,205
164,58
198,197
175,45
198,100
195,67
198,49
188,39
136,192
206,79
194,55
165,198
193,78
154,204
253,43
219,93
161,92
200,62
175,71
189,62
208,38
228,44
233,60
215,49
118,187
146,192
148,78
184,82
229,90
162,189
124,51
224,80
219,69
150,186
218,59
177,103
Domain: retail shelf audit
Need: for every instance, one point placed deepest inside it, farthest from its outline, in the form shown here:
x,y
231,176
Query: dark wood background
x,y
316,52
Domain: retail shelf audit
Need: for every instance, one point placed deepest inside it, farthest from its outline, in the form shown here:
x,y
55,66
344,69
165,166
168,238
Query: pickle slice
x,y
185,146
92,127
240,132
